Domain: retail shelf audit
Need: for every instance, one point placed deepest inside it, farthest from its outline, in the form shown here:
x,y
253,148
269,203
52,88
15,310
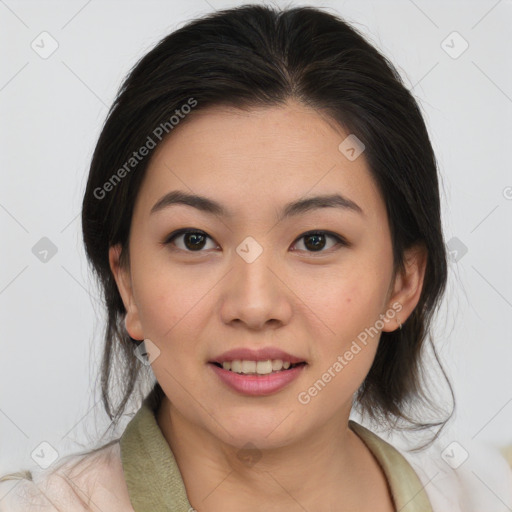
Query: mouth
x,y
257,377
257,372
264,367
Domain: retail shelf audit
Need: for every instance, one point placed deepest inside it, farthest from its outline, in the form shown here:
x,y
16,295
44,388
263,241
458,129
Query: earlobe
x,y
408,286
124,286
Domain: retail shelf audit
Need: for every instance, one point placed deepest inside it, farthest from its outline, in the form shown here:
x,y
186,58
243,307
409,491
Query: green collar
x,y
155,484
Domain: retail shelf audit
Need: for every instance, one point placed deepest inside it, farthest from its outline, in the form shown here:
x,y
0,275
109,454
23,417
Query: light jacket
x,y
138,473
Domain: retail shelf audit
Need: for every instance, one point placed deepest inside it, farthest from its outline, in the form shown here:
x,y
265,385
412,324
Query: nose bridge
x,y
252,268
255,294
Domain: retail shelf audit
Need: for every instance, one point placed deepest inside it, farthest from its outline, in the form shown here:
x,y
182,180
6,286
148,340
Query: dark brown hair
x,y
254,56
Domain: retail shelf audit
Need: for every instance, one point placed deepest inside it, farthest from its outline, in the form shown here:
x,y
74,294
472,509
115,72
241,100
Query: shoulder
x,y
458,473
464,475
506,451
79,483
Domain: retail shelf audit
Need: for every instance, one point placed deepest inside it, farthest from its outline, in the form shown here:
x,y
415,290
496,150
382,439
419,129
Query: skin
x,y
194,306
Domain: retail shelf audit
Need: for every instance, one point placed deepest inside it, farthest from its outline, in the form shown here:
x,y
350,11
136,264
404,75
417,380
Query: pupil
x,y
194,237
316,245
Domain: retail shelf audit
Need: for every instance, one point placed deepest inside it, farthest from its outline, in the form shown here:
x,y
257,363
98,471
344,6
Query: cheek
x,y
172,313
169,297
350,299
350,305
346,353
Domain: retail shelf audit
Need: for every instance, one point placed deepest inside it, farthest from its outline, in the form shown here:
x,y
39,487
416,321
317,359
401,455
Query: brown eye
x,y
316,241
192,240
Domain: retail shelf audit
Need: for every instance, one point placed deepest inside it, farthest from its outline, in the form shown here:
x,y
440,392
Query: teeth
x,y
248,366
256,367
277,364
264,367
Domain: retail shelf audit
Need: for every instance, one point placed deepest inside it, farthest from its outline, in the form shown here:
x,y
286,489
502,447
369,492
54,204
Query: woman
x,y
262,210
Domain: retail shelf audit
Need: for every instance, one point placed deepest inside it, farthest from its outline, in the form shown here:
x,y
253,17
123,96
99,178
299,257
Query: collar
x,y
155,484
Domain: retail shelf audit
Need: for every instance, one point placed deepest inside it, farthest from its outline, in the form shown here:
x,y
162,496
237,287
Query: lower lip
x,y
258,385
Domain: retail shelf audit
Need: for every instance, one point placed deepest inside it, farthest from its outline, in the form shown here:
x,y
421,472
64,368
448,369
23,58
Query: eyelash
x,y
340,240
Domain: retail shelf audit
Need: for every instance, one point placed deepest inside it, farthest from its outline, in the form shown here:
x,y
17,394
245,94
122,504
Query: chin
x,y
257,430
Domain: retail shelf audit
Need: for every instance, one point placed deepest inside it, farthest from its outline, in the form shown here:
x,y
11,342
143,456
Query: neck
x,y
328,466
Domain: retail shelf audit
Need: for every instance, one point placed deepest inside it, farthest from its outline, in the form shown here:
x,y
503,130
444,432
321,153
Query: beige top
x,y
139,473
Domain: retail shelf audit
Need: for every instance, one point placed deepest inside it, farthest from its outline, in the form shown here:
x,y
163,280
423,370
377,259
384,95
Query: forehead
x,y
256,158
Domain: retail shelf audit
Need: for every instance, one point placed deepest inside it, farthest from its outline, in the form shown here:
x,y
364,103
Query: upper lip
x,y
262,354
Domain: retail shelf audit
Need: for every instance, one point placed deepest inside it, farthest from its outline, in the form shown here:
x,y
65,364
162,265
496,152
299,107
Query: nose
x,y
256,295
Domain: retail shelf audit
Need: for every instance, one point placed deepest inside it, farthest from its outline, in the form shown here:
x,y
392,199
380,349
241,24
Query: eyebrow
x,y
298,207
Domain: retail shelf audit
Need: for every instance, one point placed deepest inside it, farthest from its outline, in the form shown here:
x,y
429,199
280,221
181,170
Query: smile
x,y
257,367
246,381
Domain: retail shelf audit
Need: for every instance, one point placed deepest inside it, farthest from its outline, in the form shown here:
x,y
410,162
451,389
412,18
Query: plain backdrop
x,y
455,56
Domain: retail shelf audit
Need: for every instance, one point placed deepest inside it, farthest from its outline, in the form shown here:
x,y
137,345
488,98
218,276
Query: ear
x,y
124,285
407,287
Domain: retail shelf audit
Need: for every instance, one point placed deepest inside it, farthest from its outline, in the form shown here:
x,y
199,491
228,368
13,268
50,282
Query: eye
x,y
193,239
315,240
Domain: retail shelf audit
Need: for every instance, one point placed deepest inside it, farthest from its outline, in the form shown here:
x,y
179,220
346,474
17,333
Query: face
x,y
248,283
